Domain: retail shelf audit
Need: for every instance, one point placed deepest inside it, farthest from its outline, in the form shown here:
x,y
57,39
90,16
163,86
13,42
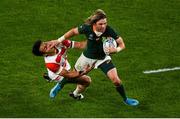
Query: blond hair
x,y
96,16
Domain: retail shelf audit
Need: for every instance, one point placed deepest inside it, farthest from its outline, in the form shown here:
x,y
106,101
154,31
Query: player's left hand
x,y
110,50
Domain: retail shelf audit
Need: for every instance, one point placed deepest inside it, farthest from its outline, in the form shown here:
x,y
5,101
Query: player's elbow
x,y
123,46
88,80
75,31
121,43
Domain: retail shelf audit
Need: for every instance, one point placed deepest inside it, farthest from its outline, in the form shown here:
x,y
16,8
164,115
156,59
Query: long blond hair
x,y
96,16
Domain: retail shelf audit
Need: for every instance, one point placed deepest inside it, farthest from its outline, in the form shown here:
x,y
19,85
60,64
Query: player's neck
x,y
97,32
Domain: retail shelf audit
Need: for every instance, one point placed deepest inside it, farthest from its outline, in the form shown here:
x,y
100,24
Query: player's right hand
x,y
88,68
51,44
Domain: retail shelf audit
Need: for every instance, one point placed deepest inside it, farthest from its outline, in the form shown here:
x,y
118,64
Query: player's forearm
x,y
69,34
72,74
121,44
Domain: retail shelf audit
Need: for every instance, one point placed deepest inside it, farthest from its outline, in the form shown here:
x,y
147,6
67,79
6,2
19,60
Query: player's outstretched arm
x,y
69,74
74,73
67,35
80,45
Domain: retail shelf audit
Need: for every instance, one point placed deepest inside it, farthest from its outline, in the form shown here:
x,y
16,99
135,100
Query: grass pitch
x,y
151,32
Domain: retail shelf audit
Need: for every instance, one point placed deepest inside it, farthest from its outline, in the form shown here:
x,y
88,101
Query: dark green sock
x,y
63,82
66,80
121,91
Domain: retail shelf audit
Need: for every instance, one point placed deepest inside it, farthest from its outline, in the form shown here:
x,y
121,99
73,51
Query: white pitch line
x,y
161,70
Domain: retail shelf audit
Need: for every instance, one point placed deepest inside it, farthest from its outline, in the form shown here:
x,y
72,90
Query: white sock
x,y
76,92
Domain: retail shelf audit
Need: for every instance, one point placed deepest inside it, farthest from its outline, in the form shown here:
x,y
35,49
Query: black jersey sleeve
x,y
110,32
82,28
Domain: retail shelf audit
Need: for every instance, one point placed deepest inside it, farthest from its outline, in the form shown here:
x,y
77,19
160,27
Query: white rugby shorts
x,y
83,61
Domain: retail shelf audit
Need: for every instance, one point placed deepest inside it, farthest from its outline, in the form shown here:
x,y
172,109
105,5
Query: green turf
x,y
151,32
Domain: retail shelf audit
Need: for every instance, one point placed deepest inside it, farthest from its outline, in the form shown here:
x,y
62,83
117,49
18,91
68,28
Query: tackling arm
x,y
73,44
69,74
74,73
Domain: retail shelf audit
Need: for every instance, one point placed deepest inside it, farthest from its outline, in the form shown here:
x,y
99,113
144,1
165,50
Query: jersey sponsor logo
x,y
90,37
81,26
97,39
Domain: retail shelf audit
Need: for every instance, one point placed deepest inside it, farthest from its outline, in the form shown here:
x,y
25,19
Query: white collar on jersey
x,y
98,33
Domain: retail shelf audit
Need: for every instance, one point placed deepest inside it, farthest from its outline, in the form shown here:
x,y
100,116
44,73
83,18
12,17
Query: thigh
x,y
106,66
113,76
82,62
99,62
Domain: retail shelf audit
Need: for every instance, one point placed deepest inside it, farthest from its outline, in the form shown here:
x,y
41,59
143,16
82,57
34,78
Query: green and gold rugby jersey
x,y
94,49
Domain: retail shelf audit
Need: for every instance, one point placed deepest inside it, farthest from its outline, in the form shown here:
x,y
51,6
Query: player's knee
x,y
113,76
116,81
88,81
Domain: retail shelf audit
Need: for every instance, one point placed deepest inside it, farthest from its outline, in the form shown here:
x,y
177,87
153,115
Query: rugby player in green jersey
x,y
95,28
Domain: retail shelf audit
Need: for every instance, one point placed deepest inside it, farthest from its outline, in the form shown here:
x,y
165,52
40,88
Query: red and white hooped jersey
x,y
56,63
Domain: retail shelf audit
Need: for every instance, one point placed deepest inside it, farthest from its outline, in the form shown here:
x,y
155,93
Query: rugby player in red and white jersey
x,y
58,67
